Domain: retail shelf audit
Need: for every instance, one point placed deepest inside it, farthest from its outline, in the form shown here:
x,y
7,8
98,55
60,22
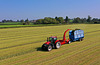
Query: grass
x,y
35,25
19,24
11,23
22,46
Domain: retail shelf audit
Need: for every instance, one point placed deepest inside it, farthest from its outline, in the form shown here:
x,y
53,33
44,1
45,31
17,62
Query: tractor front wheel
x,y
49,48
57,45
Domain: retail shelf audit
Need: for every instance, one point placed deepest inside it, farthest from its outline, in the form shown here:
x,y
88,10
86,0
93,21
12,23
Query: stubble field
x,y
22,46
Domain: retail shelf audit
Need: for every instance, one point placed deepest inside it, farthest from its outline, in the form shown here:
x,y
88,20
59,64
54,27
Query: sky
x,y
36,9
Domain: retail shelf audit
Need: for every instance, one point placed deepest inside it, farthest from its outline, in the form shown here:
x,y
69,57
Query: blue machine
x,y
76,35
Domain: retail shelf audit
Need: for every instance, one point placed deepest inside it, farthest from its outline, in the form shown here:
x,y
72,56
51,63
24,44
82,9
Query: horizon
x,y
37,9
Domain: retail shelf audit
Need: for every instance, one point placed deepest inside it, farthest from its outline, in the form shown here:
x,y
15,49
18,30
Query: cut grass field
x,y
22,46
19,26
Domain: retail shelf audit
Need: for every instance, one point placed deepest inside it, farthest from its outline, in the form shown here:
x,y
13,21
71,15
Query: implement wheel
x,y
69,42
81,39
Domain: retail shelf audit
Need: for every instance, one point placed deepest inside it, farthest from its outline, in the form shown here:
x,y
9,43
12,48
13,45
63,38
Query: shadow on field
x,y
40,49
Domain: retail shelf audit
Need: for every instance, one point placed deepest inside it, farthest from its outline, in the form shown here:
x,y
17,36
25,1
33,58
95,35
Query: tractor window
x,y
50,39
55,38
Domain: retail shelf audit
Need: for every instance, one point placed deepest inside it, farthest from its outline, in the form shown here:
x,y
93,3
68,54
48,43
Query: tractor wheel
x,y
49,48
82,39
69,42
57,45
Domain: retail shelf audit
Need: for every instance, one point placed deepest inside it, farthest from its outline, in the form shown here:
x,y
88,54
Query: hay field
x,y
22,46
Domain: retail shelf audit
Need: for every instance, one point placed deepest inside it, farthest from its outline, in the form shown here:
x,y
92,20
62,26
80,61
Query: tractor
x,y
52,42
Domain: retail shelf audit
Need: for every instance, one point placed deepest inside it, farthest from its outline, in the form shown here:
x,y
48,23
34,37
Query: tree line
x,y
61,20
24,22
58,20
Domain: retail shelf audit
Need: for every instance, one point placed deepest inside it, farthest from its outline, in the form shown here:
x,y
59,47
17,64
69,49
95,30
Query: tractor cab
x,y
52,39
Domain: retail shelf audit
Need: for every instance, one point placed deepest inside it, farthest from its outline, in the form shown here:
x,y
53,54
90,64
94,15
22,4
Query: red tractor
x,y
52,42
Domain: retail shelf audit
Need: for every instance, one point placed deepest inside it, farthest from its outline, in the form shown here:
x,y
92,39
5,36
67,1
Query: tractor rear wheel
x,y
49,48
57,45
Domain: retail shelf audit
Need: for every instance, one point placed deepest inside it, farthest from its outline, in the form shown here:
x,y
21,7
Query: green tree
x,y
39,21
95,20
27,22
83,20
76,20
56,18
4,21
55,21
17,21
8,21
60,19
66,19
22,21
89,19
49,20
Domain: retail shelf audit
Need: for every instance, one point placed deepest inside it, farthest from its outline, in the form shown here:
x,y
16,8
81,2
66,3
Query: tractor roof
x,y
54,36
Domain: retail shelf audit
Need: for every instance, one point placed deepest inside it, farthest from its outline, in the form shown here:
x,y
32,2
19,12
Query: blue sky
x,y
36,9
